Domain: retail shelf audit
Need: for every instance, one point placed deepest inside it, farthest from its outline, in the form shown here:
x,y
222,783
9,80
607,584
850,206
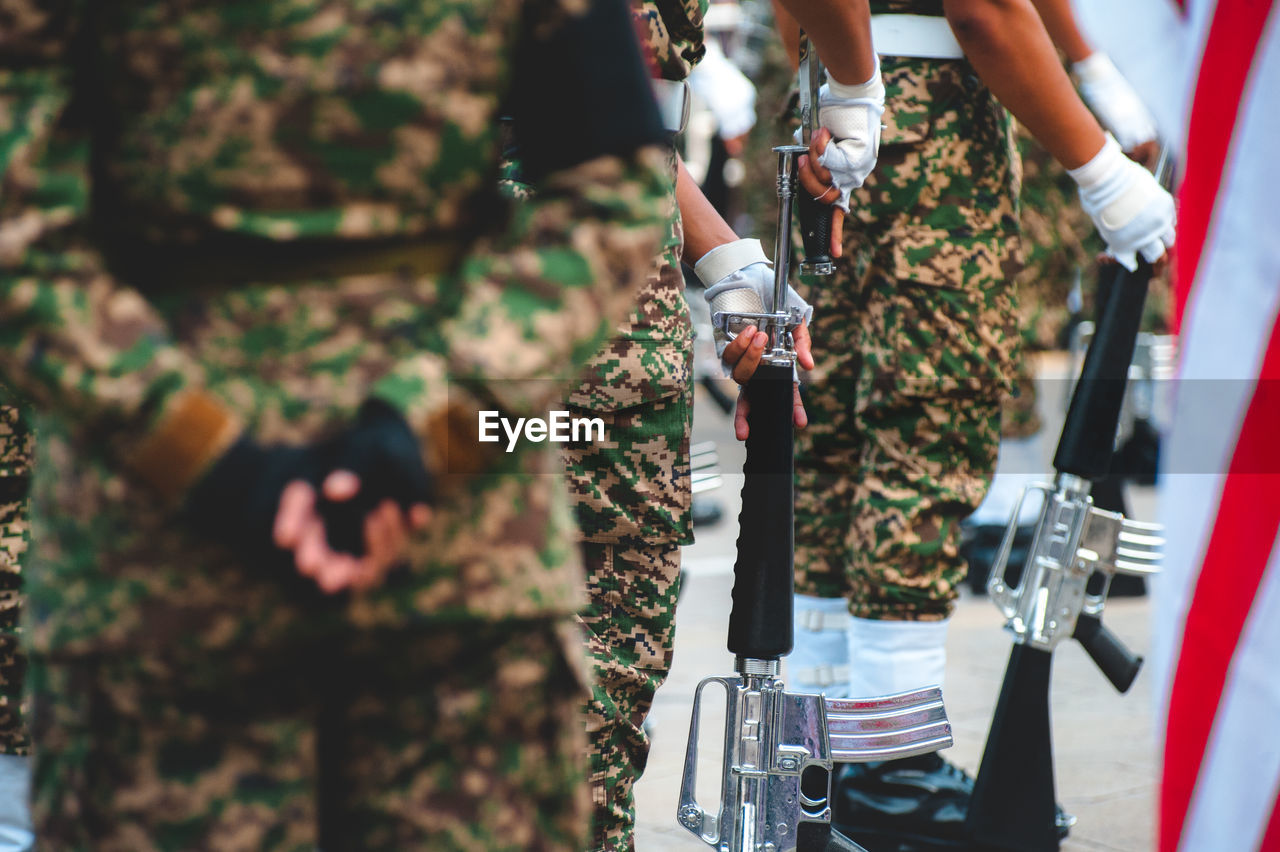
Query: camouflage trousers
x,y
17,446
914,338
630,630
461,738
14,529
632,502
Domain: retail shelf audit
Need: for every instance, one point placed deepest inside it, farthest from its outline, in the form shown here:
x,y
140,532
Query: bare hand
x,y
300,528
1145,153
743,354
816,180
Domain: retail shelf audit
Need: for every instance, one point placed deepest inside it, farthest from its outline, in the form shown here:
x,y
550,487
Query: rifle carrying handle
x,y
1089,433
815,228
1118,663
760,622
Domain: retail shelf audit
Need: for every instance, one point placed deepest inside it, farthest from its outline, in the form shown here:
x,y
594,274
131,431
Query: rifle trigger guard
x,y
730,323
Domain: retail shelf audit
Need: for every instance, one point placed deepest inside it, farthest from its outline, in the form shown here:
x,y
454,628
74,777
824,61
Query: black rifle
x,y
779,746
1013,806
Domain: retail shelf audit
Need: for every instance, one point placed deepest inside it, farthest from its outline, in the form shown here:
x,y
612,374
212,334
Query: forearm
x,y
1008,46
74,340
841,31
789,30
1060,22
704,227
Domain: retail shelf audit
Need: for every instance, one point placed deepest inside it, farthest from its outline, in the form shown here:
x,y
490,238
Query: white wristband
x,y
872,88
1100,166
1095,68
728,258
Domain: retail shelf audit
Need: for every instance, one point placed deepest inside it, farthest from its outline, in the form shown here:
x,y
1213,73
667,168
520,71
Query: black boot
x,y
916,804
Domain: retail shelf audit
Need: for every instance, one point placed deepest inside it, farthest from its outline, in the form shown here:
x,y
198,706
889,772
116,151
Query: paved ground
x,y
1103,753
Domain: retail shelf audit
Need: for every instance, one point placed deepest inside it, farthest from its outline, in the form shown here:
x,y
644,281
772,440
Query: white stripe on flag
x,y
1240,777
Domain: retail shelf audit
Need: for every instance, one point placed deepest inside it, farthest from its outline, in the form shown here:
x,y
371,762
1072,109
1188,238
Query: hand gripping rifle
x,y
1076,551
779,746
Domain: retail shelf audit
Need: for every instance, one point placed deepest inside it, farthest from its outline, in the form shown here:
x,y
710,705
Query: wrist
x,y
727,259
1100,166
192,433
873,88
1094,68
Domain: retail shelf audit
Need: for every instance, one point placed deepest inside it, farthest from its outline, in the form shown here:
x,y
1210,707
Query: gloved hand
x,y
739,277
1114,101
852,114
1130,209
238,499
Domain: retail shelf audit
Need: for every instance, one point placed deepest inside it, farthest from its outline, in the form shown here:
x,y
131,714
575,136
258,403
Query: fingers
x,y
1145,152
798,415
744,357
740,412
340,486
804,346
837,232
818,147
332,571
818,189
1153,250
1127,259
299,527
386,532
736,348
296,507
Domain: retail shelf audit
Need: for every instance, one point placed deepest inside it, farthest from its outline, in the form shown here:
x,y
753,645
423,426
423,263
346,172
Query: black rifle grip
x,y
1118,663
1089,433
760,621
815,226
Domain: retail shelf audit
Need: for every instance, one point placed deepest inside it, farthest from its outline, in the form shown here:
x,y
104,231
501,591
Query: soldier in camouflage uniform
x,y
630,492
16,449
293,214
916,335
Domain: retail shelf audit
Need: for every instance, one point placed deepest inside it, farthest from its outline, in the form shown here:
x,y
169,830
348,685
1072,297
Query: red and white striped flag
x,y
1217,613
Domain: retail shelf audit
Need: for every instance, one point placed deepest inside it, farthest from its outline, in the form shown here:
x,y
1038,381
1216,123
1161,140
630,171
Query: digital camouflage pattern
x,y
444,740
360,131
526,298
16,445
1061,246
915,337
630,492
673,32
630,632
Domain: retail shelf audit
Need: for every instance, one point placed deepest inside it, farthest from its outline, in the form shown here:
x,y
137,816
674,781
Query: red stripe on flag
x,y
1271,840
1222,75
1235,560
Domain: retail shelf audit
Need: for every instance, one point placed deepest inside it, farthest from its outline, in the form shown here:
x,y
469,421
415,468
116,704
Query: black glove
x,y
387,456
237,500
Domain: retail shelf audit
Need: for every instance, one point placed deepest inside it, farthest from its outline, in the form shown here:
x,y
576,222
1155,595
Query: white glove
x,y
1130,209
852,114
1114,101
739,277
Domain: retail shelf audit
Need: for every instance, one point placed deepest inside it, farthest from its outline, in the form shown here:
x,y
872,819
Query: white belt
x,y
672,97
817,621
924,36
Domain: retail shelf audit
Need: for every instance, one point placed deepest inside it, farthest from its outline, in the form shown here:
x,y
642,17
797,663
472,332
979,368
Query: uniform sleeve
x,y
72,339
534,299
